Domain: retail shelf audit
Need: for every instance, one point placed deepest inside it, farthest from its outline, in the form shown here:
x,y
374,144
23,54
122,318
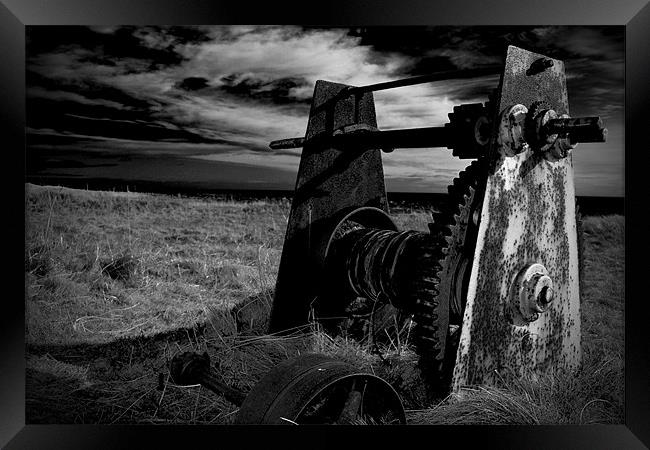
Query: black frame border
x,y
633,14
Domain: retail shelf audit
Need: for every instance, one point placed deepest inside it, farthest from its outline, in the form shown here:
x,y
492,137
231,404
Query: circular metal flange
x,y
530,294
510,139
366,216
318,389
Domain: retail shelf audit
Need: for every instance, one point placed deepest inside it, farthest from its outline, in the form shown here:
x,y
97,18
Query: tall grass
x,y
592,395
100,266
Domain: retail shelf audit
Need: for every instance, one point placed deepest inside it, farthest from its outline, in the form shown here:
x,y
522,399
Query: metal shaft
x,y
439,76
193,368
287,143
451,74
405,138
206,379
579,129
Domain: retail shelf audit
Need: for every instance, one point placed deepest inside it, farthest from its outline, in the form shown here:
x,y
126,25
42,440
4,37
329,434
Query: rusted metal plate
x,y
527,217
331,183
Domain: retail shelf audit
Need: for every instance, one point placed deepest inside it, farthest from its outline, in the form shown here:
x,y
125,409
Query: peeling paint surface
x,y
528,217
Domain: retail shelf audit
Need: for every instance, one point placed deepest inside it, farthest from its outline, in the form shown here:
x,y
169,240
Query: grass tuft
x,y
591,395
121,268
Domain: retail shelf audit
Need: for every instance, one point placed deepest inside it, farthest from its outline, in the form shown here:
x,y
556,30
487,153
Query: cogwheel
x,y
469,128
438,316
458,223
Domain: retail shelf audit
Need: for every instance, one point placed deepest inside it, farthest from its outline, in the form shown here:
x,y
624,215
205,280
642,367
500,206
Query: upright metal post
x,y
331,183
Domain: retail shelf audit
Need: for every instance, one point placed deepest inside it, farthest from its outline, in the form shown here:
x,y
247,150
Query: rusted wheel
x,y
318,389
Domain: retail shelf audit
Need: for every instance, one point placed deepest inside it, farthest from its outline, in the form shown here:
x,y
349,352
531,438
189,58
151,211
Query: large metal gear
x,y
439,308
458,223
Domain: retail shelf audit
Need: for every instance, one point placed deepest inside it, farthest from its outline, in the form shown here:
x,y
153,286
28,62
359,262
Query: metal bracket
x,y
331,183
528,217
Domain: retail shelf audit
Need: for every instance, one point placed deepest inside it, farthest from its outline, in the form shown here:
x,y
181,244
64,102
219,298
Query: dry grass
x,y
101,266
119,283
592,395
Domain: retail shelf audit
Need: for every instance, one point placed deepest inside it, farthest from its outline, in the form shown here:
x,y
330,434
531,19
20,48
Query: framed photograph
x,y
238,217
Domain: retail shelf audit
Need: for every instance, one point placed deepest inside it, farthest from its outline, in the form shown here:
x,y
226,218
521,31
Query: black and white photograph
x,y
324,225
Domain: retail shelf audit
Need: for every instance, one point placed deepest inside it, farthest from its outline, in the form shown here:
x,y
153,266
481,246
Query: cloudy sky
x,y
200,104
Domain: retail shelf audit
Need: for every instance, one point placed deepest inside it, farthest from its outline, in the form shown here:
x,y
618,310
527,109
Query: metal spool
x,y
318,389
371,294
340,310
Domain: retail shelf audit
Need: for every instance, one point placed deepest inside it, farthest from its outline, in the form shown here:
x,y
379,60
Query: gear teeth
x,y
432,317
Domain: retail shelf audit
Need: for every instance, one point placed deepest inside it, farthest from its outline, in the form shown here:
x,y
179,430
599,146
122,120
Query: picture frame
x,y
633,14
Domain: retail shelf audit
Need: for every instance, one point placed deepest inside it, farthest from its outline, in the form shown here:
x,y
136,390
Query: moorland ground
x,y
117,283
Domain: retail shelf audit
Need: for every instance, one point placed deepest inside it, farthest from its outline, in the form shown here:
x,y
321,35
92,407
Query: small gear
x,y
469,128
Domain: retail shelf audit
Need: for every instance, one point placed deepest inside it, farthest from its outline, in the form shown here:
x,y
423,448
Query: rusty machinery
x,y
308,389
494,285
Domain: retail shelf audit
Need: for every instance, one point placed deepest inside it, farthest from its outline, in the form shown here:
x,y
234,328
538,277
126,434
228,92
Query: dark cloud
x,y
88,88
444,48
155,45
280,90
193,83
97,120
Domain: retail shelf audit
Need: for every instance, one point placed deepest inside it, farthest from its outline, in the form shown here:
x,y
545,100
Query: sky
x,y
200,104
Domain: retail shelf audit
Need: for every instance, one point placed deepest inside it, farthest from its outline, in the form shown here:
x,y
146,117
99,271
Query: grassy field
x,y
118,283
